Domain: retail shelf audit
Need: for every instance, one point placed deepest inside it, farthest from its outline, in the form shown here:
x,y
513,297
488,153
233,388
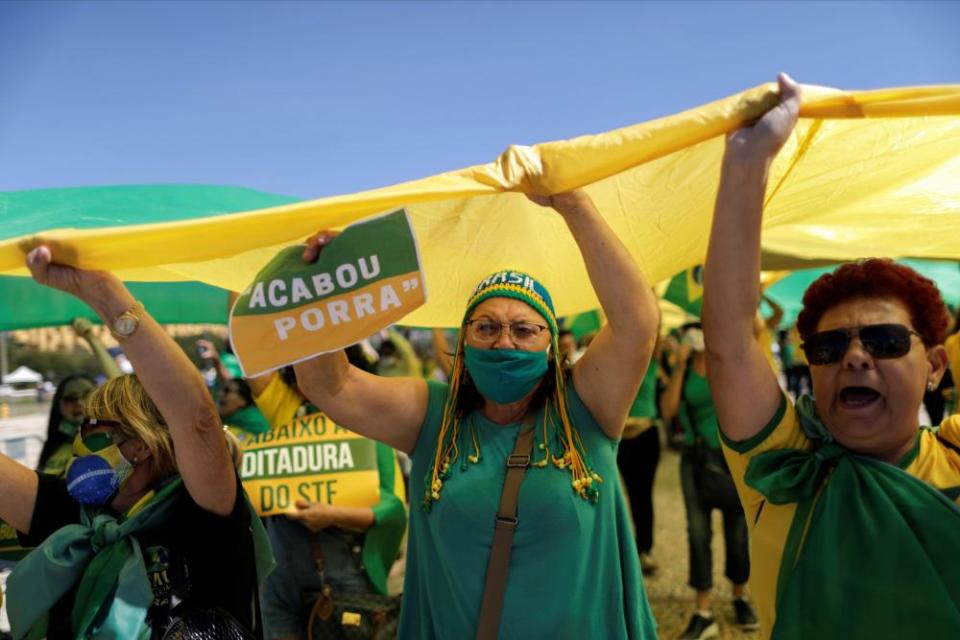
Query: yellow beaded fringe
x,y
571,456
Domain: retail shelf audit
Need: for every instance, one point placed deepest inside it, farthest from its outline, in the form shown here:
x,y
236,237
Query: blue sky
x,y
315,99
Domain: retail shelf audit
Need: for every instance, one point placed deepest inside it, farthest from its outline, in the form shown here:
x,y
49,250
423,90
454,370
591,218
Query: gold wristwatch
x,y
124,325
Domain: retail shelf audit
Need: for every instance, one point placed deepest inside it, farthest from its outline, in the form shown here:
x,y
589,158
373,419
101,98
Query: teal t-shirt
x,y
645,404
698,415
574,568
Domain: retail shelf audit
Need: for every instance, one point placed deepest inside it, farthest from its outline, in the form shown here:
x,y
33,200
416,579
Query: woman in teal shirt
x,y
574,571
707,485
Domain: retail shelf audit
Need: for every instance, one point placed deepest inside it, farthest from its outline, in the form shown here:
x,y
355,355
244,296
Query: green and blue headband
x,y
517,285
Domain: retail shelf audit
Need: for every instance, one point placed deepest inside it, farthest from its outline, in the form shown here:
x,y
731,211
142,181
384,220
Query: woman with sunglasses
x,y
850,502
66,414
238,411
150,530
571,568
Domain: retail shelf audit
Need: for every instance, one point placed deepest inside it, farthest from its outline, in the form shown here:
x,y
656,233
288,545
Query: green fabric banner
x,y
27,304
788,292
28,212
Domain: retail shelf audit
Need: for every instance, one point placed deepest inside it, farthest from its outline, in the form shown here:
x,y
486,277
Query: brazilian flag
x,y
686,290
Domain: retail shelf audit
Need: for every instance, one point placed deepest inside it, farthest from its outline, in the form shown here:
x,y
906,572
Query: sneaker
x,y
647,564
746,619
700,628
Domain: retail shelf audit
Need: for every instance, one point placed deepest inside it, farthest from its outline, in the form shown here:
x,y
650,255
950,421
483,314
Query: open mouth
x,y
858,397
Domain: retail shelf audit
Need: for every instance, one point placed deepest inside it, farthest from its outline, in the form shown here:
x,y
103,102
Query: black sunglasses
x,y
89,424
884,341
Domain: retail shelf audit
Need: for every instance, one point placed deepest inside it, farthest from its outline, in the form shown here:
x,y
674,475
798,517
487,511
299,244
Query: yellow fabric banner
x,y
865,173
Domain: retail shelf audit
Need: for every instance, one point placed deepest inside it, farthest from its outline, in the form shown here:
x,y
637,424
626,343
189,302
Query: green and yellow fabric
x,y
102,556
686,290
845,546
879,165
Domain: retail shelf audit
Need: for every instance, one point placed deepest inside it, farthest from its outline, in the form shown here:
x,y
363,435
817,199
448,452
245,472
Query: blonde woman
x,y
150,528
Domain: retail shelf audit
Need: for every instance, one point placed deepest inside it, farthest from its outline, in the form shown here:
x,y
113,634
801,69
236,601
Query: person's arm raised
x,y
390,410
84,329
168,376
744,388
608,376
670,398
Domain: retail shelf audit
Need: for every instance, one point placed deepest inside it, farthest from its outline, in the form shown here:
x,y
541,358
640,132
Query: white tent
x,y
22,375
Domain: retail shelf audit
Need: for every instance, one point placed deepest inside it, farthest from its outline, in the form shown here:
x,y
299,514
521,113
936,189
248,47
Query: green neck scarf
x,y
103,555
249,419
68,428
873,552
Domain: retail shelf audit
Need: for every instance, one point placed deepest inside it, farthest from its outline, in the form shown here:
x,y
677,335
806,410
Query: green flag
x,y
686,290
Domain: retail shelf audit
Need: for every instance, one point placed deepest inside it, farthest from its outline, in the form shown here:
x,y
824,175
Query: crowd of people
x,y
516,464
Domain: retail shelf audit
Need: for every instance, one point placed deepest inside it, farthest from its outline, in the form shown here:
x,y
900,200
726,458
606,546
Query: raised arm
x,y
209,352
84,329
390,410
671,396
168,376
406,353
744,388
608,376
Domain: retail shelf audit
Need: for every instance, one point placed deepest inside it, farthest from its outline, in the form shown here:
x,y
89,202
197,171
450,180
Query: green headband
x,y
519,286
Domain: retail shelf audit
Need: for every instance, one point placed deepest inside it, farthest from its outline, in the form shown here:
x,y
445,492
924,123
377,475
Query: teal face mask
x,y
505,375
68,428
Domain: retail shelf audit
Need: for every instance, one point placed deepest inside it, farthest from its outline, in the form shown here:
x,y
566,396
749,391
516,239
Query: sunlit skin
x,y
882,426
507,311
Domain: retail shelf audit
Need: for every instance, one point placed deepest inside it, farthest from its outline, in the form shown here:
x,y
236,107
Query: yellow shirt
x,y
279,403
769,524
952,346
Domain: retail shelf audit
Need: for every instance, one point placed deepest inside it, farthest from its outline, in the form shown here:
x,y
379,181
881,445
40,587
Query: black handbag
x,y
715,487
348,616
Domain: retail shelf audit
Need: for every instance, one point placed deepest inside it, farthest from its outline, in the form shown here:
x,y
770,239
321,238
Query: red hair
x,y
877,278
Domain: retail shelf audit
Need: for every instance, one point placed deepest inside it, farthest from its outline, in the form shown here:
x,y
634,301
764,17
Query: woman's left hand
x,y
314,515
563,203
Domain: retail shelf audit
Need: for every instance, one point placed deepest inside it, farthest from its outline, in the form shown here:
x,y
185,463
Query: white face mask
x,y
694,338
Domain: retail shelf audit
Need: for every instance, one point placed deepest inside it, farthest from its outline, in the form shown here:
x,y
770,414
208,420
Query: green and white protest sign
x,y
367,278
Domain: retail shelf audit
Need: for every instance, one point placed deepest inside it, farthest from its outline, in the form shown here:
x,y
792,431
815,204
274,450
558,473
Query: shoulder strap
x,y
499,564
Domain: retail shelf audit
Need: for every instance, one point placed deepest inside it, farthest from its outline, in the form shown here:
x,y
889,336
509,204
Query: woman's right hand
x,y
207,350
316,243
